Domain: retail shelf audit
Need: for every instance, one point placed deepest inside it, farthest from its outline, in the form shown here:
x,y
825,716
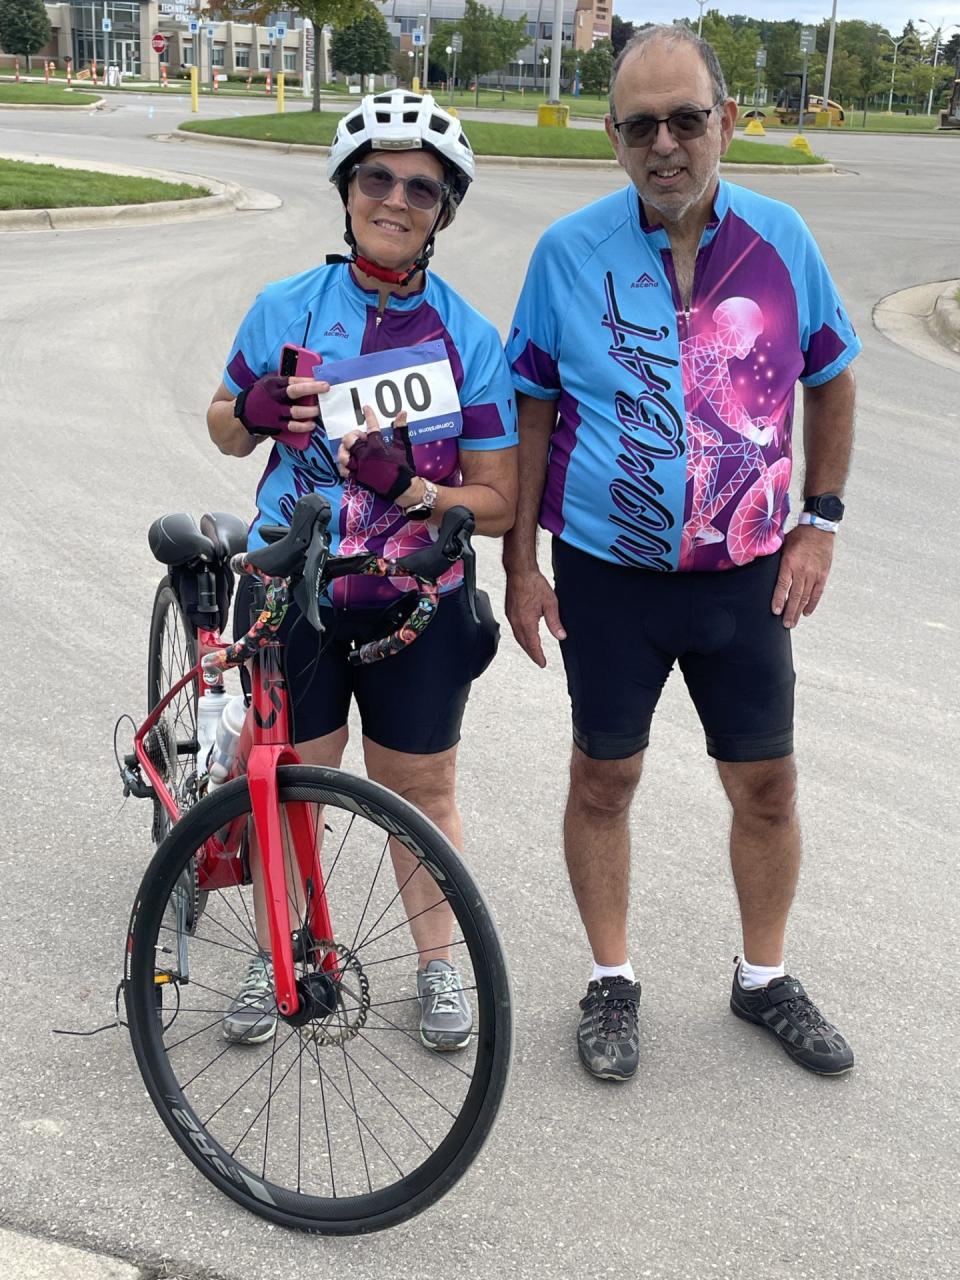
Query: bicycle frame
x,y
264,746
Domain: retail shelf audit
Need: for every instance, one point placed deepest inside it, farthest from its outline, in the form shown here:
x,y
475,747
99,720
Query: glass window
x,y
289,62
241,56
264,59
217,59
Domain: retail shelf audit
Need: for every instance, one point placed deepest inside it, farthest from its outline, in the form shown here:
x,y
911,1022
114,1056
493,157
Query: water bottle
x,y
210,707
225,746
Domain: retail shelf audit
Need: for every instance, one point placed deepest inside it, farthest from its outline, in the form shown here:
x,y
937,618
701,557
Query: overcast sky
x,y
892,14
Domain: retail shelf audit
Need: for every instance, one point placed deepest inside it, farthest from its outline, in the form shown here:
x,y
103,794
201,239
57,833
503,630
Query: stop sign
x,y
159,42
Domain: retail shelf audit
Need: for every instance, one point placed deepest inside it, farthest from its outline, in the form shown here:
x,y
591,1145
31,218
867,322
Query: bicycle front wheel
x,y
345,1123
172,744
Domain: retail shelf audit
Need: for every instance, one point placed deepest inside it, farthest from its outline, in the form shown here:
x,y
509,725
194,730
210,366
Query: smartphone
x,y
298,362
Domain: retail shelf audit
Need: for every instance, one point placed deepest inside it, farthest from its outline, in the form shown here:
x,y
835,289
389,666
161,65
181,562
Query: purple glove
x,y
264,408
386,469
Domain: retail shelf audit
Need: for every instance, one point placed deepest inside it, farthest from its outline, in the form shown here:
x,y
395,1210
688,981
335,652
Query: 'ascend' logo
x,y
336,331
645,282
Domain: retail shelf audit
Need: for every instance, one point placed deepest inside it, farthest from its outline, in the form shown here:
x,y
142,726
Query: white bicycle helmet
x,y
401,121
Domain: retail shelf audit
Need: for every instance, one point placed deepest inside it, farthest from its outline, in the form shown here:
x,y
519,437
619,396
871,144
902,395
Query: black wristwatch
x,y
825,505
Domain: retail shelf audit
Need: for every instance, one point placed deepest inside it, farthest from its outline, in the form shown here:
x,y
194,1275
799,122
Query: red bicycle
x,y
342,1122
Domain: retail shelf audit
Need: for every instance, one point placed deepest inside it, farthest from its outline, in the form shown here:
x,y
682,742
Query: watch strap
x,y
818,522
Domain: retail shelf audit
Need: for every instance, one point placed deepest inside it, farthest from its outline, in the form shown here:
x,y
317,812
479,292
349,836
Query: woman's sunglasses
x,y
377,182
640,131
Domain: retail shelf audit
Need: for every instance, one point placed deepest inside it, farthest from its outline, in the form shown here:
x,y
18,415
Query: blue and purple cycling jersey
x,y
672,448
326,311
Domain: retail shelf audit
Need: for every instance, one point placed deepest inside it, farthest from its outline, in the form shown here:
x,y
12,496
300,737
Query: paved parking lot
x,y
722,1158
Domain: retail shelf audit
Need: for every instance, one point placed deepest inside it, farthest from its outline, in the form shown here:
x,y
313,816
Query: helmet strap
x,y
385,274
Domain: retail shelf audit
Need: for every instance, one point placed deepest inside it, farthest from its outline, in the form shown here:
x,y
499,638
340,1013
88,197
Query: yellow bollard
x,y
755,129
280,106
194,89
552,115
800,143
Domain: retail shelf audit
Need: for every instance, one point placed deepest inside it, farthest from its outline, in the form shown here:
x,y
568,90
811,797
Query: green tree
x,y
620,33
24,27
508,39
595,67
327,13
480,51
363,47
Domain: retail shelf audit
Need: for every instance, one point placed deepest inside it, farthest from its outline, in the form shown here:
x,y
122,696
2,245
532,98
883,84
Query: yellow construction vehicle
x,y
787,109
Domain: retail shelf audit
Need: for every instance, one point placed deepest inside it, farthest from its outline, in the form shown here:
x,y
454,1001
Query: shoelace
x,y
613,1016
256,985
806,1013
444,987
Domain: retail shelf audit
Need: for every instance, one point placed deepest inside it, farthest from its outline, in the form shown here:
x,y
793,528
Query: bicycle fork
x,y
265,801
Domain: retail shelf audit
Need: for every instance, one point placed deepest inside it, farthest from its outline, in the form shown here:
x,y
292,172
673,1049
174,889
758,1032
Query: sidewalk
x,y
28,1258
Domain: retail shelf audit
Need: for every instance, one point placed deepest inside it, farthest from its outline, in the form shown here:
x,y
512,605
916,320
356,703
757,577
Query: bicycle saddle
x,y
227,533
175,539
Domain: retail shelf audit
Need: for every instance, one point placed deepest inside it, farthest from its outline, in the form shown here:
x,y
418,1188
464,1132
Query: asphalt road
x,y
722,1158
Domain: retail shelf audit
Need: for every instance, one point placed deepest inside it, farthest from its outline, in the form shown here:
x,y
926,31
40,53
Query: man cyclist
x,y
656,348
401,166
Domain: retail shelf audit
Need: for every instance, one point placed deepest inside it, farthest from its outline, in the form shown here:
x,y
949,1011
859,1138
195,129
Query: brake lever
x,y
469,558
306,591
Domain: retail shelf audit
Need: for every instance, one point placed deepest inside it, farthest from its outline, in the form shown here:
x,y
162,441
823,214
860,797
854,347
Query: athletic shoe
x,y
787,1012
445,1018
251,1016
608,1037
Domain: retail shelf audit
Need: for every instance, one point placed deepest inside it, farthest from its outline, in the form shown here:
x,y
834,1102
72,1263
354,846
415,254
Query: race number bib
x,y
416,379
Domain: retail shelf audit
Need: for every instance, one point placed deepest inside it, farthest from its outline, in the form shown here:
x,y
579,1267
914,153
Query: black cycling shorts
x,y
626,628
413,701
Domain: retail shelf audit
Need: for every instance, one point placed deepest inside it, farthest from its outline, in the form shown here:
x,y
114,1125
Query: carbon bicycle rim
x,y
347,1123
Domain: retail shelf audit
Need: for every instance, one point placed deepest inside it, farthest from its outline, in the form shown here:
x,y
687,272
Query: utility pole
x,y
829,66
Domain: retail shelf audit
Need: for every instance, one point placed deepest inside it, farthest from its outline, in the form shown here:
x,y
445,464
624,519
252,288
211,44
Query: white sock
x,y
625,970
752,976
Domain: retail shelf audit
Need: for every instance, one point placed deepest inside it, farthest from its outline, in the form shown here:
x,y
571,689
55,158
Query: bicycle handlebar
x,y
299,558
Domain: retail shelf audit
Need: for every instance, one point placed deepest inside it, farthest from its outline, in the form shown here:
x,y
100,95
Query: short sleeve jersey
x,y
326,311
672,449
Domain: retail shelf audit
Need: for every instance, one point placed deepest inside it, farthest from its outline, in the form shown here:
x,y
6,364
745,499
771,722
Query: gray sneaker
x,y
445,1018
251,1016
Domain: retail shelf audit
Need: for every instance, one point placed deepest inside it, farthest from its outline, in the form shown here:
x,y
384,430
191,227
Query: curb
x,y
944,321
95,105
288,148
224,197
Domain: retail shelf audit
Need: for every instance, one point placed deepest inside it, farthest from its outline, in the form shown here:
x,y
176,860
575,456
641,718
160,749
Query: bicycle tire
x,y
231,1109
173,650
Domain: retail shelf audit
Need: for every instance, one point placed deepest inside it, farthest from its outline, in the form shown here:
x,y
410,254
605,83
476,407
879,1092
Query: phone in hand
x,y
298,362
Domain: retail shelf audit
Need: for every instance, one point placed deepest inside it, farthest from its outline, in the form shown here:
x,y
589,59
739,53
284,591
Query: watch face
x,y
826,505
829,506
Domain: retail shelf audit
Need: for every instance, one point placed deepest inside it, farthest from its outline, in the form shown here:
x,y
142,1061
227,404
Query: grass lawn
x,y
44,186
876,122
317,129
39,94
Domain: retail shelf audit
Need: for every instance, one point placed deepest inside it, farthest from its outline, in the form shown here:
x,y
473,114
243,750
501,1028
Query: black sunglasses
x,y
640,131
377,182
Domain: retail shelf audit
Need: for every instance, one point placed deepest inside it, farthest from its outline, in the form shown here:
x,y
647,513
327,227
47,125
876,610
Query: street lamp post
x,y
937,33
702,4
546,62
893,72
412,55
520,64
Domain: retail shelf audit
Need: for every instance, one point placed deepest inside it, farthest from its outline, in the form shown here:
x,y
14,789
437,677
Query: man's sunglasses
x,y
377,182
640,131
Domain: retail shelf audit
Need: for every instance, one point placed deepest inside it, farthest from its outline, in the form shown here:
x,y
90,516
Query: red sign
x,y
158,41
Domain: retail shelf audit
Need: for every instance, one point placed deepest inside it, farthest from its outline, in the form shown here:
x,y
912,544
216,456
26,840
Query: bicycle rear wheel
x,y
172,744
347,1123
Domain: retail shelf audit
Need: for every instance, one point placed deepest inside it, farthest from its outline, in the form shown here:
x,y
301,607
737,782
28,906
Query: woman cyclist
x,y
401,166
